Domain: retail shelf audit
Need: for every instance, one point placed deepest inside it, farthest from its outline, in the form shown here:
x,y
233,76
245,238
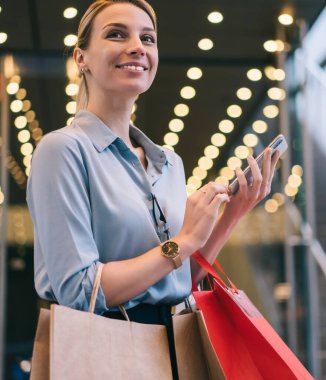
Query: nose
x,y
136,47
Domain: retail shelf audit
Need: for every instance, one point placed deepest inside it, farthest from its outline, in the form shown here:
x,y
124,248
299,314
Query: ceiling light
x,y
71,107
271,111
195,181
285,18
279,197
295,180
269,72
211,151
222,181
15,79
227,172
30,116
12,88
250,140
241,152
271,205
16,105
176,125
276,93
215,17
279,74
190,189
254,75
290,191
260,126
234,111
171,138
27,160
234,162
24,136
226,126
72,89
70,40
218,139
20,122
26,149
205,44
21,94
3,37
187,92
181,110
0,9
270,46
297,169
199,173
244,93
194,73
70,12
205,163
26,105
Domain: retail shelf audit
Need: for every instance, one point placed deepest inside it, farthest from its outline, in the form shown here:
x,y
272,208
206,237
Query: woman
x,y
100,191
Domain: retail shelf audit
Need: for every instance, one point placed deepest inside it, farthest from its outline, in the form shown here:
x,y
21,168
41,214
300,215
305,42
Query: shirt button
x,y
149,197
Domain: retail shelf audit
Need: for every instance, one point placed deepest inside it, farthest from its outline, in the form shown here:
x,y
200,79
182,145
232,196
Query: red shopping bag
x,y
246,345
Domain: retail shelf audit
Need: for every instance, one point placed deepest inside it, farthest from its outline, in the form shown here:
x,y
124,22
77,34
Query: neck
x,y
115,113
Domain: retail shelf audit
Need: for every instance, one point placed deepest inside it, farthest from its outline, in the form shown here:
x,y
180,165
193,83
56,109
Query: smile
x,y
132,67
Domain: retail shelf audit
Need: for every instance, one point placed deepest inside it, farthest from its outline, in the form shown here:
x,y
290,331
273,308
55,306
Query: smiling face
x,y
121,57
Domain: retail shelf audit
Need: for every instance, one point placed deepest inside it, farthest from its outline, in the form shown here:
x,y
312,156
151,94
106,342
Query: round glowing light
x,y
176,125
269,72
205,163
195,181
297,169
70,40
215,17
218,139
21,94
37,134
134,108
222,181
194,73
169,147
270,46
234,162
227,172
27,160
279,74
15,79
279,197
30,116
234,111
290,191
12,88
254,75
241,152
271,111
70,12
171,138
211,151
26,105
295,180
190,189
271,206
276,93
285,19
20,122
260,126
3,37
244,93
181,110
71,107
280,45
34,124
187,92
72,89
2,197
16,105
250,140
226,126
24,136
0,9
68,122
27,171
199,173
205,44
26,149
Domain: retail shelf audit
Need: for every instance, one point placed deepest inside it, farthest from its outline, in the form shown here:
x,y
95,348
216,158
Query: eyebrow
x,y
119,25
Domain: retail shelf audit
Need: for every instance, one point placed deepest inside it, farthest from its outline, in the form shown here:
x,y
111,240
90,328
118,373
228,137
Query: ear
x,y
79,57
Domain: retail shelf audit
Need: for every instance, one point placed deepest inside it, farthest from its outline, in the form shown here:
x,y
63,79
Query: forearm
x,y
219,236
124,280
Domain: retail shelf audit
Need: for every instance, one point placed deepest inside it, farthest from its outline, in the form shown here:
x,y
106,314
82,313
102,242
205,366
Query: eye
x,y
148,39
115,34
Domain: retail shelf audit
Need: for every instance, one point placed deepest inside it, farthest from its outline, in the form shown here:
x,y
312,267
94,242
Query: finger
x,y
276,156
266,170
211,189
256,174
243,184
219,199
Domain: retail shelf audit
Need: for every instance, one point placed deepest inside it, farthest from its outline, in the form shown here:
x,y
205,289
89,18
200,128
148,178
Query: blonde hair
x,y
85,30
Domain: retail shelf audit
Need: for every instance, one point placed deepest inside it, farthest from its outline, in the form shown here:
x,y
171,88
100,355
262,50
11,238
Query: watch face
x,y
170,249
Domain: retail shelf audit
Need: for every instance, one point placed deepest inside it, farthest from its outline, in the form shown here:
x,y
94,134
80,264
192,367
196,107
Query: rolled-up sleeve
x,y
67,257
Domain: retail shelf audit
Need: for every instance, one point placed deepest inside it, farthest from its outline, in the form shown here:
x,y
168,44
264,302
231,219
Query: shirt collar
x,y
102,136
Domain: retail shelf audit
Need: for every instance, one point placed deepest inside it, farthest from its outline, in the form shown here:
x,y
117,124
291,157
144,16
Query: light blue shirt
x,y
91,201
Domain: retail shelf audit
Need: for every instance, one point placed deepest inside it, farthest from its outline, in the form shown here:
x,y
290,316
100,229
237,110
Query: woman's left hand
x,y
249,195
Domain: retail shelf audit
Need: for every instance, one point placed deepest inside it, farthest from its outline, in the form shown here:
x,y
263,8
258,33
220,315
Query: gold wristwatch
x,y
170,249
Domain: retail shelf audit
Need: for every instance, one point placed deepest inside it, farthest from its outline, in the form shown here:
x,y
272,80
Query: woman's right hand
x,y
201,214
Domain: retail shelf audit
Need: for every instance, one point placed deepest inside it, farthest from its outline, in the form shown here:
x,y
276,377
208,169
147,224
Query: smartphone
x,y
278,144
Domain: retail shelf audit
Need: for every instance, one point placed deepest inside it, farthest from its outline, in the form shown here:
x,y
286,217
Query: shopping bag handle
x,y
210,269
96,286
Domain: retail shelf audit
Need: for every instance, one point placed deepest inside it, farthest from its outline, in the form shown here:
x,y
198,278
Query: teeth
x,y
137,68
